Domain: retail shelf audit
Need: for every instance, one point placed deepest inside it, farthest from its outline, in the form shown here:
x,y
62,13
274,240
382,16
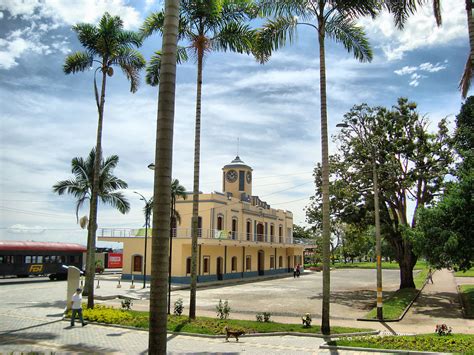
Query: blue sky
x,y
47,118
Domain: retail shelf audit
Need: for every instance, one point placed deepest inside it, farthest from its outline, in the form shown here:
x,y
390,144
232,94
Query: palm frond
x,y
78,61
357,8
130,38
465,82
344,30
79,204
286,8
273,35
131,62
116,200
109,164
153,23
86,34
235,37
153,68
402,9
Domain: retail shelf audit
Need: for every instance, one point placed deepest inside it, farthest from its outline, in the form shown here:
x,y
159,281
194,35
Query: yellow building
x,y
239,235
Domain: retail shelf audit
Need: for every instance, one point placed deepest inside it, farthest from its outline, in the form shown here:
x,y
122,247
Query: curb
x,y
311,335
373,350
461,302
407,308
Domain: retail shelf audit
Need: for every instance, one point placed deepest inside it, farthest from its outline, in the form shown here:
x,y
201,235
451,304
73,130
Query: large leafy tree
x,y
334,19
106,46
445,229
205,26
80,186
411,163
162,181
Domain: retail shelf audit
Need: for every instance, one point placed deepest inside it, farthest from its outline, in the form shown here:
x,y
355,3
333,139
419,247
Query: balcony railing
x,y
202,233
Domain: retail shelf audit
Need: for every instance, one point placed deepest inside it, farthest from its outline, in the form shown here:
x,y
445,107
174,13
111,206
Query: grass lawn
x,y
467,273
458,343
372,265
202,325
467,295
394,306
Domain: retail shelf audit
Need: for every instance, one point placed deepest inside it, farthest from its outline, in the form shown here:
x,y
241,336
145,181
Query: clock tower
x,y
237,178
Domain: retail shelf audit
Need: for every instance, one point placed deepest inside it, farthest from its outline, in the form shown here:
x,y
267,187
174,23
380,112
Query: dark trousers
x,y
73,316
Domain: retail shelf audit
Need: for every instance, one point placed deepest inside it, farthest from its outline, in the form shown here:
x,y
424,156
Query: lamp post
x,y
152,167
378,241
147,223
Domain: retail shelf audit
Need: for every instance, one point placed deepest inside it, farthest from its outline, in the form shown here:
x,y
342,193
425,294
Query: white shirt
x,y
77,301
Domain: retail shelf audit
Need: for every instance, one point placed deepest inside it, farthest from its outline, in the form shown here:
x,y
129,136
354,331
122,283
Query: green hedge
x,y
467,295
459,343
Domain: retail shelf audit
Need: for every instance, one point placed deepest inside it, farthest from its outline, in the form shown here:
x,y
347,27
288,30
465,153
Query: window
x,y
220,223
272,232
10,259
199,227
280,261
249,230
2,259
280,233
248,263
188,265
27,259
206,265
137,263
234,228
234,263
39,259
272,262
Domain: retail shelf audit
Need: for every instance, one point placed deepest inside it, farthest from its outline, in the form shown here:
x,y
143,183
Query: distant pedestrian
x,y
76,306
430,275
294,272
298,270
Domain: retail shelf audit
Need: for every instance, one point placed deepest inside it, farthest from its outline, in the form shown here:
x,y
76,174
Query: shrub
x,y
178,307
443,329
306,320
127,304
223,309
266,316
259,317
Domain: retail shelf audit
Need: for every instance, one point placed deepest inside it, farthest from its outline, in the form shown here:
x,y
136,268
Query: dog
x,y
232,333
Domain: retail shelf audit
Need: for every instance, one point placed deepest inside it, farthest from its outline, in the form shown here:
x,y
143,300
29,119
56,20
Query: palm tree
x,y
335,19
177,191
106,45
81,185
162,181
206,26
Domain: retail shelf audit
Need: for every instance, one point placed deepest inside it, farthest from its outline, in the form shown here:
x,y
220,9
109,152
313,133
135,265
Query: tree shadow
x,y
7,338
361,299
9,332
439,305
53,304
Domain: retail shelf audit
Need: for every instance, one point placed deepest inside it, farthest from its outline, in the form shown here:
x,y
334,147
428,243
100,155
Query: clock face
x,y
231,176
249,177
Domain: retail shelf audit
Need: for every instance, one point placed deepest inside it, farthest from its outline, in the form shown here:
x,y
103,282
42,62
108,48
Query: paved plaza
x,y
30,314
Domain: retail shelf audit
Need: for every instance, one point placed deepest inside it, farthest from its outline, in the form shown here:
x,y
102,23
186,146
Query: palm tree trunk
x,y
197,149
325,328
470,24
162,183
92,227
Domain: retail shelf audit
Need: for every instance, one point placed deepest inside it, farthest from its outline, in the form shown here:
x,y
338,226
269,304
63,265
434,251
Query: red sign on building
x,y
115,261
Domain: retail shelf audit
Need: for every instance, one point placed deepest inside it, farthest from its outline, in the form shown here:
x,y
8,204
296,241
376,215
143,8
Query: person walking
x,y
76,306
294,272
298,270
430,276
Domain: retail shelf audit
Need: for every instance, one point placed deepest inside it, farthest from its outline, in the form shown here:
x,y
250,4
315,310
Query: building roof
x,y
45,246
237,163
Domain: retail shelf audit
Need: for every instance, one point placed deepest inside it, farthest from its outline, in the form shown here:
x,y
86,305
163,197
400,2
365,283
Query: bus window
x,y
1,259
27,259
39,259
10,259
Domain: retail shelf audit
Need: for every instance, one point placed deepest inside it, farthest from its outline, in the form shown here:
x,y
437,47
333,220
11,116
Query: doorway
x,y
219,268
261,263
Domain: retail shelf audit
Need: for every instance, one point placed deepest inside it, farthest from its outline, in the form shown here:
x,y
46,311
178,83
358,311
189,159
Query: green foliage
x,y
420,264
103,314
127,304
306,319
300,232
467,296
223,309
458,343
178,307
263,317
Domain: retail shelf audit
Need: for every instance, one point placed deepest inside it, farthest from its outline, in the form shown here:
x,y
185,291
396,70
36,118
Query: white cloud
x,y
420,30
22,229
1,15
424,67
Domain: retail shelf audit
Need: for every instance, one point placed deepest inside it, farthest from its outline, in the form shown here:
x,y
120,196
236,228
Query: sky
x,y
272,110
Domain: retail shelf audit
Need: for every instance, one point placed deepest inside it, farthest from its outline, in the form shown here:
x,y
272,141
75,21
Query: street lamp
x,y
147,223
152,167
378,242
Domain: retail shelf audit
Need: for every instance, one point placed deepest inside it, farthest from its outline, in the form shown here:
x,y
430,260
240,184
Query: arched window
x,y
249,230
137,263
220,222
234,264
234,228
